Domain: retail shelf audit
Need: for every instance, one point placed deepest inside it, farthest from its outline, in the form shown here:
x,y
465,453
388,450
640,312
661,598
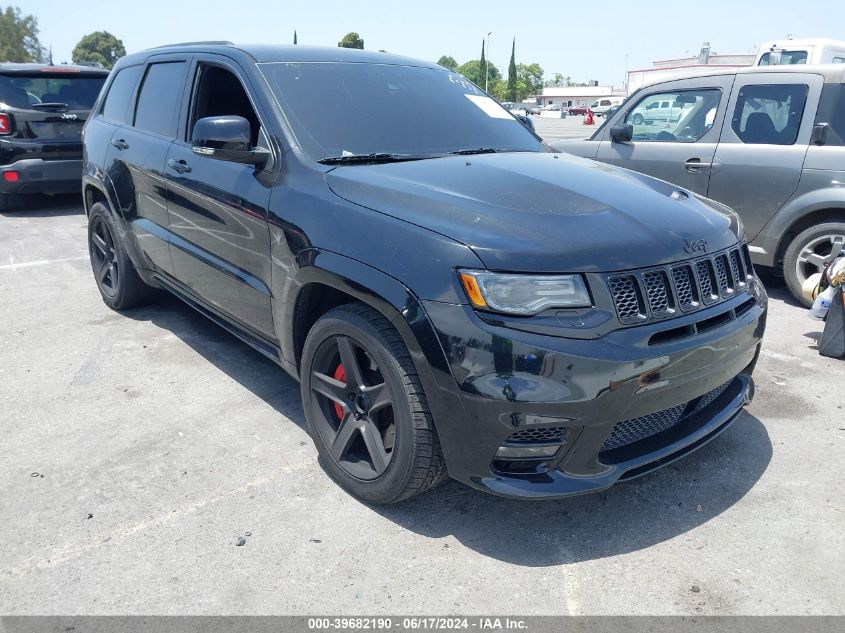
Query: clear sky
x,y
585,40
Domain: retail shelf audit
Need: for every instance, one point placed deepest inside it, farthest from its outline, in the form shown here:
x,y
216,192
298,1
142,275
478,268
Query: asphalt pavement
x,y
140,448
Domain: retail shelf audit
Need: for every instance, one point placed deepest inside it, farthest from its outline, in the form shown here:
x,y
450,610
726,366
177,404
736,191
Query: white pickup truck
x,y
653,111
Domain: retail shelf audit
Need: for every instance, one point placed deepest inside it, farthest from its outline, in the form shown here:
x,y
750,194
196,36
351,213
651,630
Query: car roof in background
x,y
268,53
70,69
831,72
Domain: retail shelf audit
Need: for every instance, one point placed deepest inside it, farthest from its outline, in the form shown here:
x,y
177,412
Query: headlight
x,y
523,294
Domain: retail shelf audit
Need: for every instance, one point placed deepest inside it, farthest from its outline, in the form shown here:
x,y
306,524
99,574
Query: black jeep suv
x,y
453,296
42,110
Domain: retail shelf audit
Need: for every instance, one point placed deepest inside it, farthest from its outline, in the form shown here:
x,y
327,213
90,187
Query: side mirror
x,y
227,138
526,121
819,134
622,133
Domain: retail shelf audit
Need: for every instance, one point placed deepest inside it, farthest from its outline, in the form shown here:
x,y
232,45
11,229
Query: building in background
x,y
706,62
569,96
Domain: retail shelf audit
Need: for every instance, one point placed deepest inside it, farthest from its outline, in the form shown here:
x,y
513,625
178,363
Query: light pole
x,y
487,62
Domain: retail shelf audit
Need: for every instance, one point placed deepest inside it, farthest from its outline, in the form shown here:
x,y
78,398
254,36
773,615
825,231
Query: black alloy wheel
x,y
366,407
352,408
104,257
117,280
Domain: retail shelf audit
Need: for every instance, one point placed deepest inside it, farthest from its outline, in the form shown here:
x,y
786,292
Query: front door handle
x,y
692,165
179,166
119,143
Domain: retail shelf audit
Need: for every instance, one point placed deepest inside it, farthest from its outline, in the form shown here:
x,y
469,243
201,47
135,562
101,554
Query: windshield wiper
x,y
364,159
477,150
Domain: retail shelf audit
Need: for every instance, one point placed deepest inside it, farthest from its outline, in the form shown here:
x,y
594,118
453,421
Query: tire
x,y
117,280
808,252
638,119
4,202
371,424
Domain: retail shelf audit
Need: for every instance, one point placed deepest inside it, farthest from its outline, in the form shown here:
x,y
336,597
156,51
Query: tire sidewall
x,y
794,249
393,481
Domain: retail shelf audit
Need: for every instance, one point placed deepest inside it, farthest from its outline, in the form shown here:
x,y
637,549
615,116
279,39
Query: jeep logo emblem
x,y
691,246
69,116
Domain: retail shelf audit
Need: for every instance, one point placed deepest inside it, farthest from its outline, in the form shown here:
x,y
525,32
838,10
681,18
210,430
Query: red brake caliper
x,y
340,375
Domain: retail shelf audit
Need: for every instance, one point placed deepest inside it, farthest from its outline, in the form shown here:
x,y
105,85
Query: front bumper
x,y
35,175
506,381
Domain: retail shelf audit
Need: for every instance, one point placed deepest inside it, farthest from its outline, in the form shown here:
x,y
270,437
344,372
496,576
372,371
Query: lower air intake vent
x,y
636,429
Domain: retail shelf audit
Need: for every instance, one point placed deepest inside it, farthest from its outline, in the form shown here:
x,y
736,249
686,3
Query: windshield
x,y
26,91
350,109
786,58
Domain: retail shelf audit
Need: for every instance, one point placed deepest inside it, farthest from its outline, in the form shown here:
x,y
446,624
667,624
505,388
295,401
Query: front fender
x,y
383,293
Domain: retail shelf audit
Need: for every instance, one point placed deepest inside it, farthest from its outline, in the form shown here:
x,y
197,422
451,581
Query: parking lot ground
x,y
571,127
138,448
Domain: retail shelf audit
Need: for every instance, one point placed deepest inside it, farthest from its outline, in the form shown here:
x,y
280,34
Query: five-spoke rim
x,y
352,408
104,257
816,254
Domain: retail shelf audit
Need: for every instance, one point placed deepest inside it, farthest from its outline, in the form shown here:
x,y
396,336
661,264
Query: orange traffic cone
x,y
589,120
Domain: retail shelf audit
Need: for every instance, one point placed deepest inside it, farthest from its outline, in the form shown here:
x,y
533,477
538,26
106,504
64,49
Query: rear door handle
x,y
179,166
694,164
119,143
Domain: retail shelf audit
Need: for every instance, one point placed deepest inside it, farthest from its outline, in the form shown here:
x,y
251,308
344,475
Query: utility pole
x,y
487,62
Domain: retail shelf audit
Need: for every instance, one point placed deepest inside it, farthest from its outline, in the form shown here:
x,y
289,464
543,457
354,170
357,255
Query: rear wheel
x,y
4,202
115,274
366,409
809,252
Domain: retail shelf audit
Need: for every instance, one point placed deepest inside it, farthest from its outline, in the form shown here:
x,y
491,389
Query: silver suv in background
x,y
767,141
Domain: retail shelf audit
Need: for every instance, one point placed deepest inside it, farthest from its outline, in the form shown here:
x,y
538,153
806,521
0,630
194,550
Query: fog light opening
x,y
507,451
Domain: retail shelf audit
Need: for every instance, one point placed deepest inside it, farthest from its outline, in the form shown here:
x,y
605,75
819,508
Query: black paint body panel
x,y
243,245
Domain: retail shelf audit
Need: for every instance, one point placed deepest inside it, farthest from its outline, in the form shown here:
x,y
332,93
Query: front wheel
x,y
366,409
809,252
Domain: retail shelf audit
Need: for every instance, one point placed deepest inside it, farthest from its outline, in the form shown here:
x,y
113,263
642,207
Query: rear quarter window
x,y
832,111
116,105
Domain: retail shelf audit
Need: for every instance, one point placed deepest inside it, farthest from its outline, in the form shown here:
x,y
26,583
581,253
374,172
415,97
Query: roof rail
x,y
203,43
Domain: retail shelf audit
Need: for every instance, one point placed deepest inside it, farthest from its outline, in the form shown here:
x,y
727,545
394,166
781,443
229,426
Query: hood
x,y
541,212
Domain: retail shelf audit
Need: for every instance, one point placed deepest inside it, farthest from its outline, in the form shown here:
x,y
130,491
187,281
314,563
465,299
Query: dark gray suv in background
x,y
767,141
454,298
42,111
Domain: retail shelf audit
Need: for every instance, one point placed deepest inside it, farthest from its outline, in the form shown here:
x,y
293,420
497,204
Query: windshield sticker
x,y
490,107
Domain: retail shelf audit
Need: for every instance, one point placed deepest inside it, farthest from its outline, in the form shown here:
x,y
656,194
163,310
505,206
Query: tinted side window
x,y
682,116
161,95
832,111
769,114
116,106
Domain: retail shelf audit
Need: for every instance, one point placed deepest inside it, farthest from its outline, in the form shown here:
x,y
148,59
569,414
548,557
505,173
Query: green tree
x,y
101,47
19,37
294,37
512,79
351,40
559,81
531,77
474,71
447,61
